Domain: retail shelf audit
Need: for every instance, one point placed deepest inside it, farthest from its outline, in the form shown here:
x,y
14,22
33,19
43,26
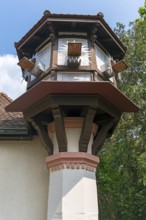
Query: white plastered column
x,y
72,182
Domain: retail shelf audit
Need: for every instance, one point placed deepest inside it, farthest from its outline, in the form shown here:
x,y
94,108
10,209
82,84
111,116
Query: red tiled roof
x,y
10,120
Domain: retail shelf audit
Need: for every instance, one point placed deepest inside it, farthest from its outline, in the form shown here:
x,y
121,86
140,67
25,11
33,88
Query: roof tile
x,y
10,120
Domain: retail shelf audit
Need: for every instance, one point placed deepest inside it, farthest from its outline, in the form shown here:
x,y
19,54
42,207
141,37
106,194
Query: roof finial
x,y
47,12
100,15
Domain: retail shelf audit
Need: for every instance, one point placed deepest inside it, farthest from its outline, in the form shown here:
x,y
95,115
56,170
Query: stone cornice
x,y
72,160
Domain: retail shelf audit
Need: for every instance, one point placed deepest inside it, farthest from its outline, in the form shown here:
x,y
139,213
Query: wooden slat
x,y
26,64
119,66
74,49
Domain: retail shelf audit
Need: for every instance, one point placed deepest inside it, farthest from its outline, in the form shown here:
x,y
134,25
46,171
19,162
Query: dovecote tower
x,y
70,63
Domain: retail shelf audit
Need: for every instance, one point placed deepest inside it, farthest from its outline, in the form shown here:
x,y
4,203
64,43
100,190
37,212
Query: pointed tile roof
x,y
12,124
10,120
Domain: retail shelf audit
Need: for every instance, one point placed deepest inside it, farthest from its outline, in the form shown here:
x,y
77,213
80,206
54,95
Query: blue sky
x,y
17,17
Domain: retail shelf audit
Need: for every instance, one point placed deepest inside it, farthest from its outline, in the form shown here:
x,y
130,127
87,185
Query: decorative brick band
x,y
72,160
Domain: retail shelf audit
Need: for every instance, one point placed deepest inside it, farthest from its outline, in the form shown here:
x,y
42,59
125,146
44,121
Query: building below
x,y
23,172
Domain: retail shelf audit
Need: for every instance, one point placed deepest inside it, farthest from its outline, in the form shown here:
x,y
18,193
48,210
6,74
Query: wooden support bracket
x,y
101,136
43,133
86,129
60,129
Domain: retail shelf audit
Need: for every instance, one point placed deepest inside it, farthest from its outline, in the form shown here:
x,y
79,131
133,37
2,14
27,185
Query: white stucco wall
x,y
76,197
23,180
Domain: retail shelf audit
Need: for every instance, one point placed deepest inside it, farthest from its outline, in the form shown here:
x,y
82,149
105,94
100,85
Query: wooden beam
x,y
60,129
51,100
43,133
86,129
73,25
67,100
109,108
101,136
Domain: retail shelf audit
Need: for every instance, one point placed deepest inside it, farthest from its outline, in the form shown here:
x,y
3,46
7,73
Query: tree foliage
x,y
121,176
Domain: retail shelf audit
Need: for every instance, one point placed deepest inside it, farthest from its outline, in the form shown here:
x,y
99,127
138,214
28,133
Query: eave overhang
x,y
15,134
45,88
54,23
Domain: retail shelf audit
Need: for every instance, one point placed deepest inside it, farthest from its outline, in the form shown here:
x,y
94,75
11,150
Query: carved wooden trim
x,y
72,160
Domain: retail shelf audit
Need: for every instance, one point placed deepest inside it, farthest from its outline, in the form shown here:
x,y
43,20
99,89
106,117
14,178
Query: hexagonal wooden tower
x,y
70,63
